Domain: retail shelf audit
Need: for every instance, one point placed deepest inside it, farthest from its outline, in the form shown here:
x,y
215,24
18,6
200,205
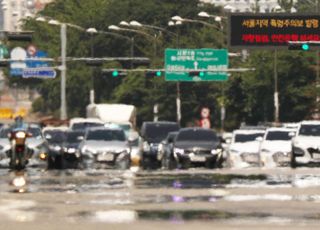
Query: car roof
x,y
103,128
159,122
281,129
194,129
311,122
248,131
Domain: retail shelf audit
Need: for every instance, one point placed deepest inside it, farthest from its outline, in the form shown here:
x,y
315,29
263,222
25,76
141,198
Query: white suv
x,y
306,143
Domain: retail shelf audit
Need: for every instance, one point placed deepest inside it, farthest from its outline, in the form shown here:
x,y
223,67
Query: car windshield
x,y
197,135
158,132
85,125
55,136
242,138
35,132
309,130
4,132
74,137
278,136
106,135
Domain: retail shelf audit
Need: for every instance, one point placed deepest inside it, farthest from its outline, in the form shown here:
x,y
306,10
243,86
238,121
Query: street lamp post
x,y
218,28
63,36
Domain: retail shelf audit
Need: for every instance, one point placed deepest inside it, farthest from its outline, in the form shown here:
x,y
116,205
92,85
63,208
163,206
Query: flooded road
x,y
254,198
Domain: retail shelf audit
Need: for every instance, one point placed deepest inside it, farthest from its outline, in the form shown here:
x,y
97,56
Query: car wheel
x,y
51,163
172,163
123,164
293,162
219,162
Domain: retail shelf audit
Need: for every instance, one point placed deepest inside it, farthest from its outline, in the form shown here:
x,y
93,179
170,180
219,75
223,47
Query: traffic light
x,y
114,72
154,73
196,74
299,46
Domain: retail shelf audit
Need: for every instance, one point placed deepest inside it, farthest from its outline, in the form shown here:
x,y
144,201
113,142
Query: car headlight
x,y
146,147
86,150
178,151
57,148
216,151
71,150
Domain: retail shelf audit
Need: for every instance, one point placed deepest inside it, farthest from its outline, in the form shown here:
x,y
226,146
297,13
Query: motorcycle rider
x,y
18,126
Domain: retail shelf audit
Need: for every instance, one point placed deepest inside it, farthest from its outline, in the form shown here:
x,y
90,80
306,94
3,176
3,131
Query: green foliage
x,y
248,96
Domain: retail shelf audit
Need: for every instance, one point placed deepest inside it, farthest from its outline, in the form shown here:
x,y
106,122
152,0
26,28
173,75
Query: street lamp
x,y
140,25
178,18
117,28
93,30
63,66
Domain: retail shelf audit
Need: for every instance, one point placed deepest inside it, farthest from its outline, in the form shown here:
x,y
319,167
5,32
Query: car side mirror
x,y
80,138
48,136
260,139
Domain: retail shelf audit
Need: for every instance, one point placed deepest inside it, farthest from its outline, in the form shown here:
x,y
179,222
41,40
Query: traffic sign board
x,y
39,73
3,51
212,63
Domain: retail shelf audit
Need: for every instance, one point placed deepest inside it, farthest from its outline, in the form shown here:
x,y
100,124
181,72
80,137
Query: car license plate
x,y
316,156
198,158
105,157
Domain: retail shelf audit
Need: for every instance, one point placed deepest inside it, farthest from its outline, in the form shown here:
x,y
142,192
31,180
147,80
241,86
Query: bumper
x,y
306,155
197,158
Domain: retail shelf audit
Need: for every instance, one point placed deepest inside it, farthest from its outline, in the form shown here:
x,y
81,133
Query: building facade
x,y
12,11
261,6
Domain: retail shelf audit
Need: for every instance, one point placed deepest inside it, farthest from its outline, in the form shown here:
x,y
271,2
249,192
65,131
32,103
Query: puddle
x,y
15,210
181,216
188,181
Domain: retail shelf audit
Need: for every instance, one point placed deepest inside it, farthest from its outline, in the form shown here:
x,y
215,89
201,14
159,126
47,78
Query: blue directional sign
x,y
37,63
42,72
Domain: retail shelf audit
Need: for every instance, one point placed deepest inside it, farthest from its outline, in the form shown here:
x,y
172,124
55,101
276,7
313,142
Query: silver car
x,y
103,146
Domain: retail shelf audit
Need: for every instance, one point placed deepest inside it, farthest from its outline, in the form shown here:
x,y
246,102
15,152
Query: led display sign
x,y
271,30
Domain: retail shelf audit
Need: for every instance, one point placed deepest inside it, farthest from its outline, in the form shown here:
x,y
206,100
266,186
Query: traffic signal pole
x,y
276,93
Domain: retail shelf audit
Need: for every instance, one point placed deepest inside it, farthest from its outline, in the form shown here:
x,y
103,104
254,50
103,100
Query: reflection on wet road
x,y
278,197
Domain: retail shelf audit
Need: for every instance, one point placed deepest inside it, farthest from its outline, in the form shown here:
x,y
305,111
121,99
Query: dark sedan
x,y
198,146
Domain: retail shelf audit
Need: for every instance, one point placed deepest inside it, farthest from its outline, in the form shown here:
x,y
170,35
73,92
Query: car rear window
x,y
242,138
309,130
106,135
157,132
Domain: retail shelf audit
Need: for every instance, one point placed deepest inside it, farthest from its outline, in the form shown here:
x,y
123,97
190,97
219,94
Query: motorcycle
x,y
19,152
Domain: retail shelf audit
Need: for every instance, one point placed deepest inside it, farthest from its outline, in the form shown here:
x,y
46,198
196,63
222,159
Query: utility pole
x,y
63,35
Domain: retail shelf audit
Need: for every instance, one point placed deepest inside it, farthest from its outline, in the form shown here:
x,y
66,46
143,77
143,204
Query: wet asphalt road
x,y
254,198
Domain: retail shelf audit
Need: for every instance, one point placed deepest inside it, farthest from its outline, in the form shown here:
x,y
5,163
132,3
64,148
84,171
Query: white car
x,y
244,147
306,143
275,149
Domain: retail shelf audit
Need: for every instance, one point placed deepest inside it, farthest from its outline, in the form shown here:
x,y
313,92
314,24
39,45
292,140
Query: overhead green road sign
x,y
182,64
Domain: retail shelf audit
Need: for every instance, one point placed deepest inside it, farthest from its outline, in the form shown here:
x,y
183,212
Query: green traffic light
x,y
305,46
201,74
115,73
158,74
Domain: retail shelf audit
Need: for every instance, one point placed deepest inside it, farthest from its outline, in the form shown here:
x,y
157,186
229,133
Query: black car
x,y
152,133
70,148
165,151
198,146
55,139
